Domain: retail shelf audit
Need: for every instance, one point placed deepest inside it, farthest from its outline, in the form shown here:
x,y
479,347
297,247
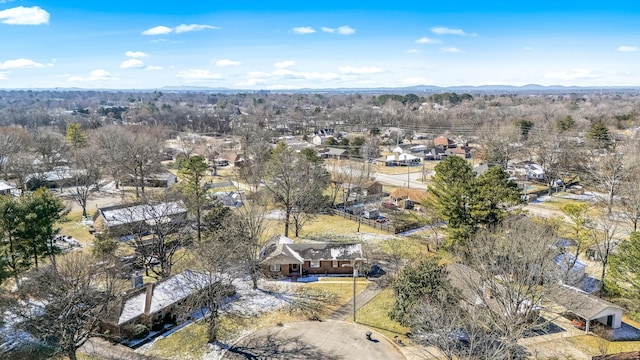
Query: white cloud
x,y
251,82
359,71
153,68
413,51
426,40
21,63
328,29
573,74
95,75
414,81
346,30
527,48
136,54
3,75
313,75
158,30
227,62
451,49
195,75
132,64
441,30
283,75
192,27
6,1
303,30
628,48
284,64
21,15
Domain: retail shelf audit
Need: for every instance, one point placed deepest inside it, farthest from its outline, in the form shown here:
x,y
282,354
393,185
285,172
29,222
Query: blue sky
x,y
278,45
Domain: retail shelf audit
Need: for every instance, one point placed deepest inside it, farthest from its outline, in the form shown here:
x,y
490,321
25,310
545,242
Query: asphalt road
x,y
314,340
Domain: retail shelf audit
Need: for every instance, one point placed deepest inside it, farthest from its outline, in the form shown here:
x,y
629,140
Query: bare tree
x,y
158,231
131,151
13,140
605,238
292,178
629,200
435,221
51,147
249,222
504,280
86,174
345,176
21,166
257,152
578,214
608,171
72,303
215,262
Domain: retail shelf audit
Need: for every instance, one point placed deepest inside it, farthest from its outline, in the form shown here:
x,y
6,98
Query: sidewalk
x,y
345,312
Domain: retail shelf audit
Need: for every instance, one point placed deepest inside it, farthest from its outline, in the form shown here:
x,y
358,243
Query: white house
x,y
535,171
5,189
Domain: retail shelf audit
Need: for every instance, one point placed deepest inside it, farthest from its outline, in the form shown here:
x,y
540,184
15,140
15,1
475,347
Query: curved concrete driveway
x,y
314,340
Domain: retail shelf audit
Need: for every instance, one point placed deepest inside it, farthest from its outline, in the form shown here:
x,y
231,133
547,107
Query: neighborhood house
x,y
281,257
157,305
130,219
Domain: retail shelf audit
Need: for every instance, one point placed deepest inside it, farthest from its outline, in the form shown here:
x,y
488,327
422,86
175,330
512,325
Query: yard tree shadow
x,y
272,347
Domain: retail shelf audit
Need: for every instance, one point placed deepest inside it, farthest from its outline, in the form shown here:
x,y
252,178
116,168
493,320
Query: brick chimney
x,y
148,297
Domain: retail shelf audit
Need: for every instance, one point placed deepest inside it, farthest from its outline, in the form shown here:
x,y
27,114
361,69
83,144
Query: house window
x,y
315,263
275,267
334,263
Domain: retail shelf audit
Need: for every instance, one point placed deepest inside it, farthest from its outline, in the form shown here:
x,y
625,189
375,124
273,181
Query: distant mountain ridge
x,y
417,89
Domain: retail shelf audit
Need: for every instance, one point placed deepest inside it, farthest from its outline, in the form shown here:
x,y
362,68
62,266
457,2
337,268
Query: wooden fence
x,y
385,226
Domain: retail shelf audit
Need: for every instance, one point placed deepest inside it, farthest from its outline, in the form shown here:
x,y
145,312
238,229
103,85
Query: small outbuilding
x,y
588,307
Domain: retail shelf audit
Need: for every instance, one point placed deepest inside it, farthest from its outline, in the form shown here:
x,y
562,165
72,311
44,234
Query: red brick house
x,y
444,142
281,257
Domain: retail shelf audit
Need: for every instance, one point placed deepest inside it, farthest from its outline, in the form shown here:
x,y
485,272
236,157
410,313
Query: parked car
x,y
389,205
375,271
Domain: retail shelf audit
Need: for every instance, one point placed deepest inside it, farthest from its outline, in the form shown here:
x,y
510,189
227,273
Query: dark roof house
x,y
282,257
131,219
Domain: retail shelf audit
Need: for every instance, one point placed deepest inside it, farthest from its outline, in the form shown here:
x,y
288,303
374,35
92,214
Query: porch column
x,y
301,265
586,326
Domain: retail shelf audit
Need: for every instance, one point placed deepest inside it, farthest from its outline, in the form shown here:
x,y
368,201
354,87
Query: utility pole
x,y
355,275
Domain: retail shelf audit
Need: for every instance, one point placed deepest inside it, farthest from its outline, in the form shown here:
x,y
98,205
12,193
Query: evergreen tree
x,y
599,133
422,281
76,136
624,267
452,189
468,202
192,172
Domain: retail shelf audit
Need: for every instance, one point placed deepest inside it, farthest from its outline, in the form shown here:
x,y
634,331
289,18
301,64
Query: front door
x,y
294,268
610,320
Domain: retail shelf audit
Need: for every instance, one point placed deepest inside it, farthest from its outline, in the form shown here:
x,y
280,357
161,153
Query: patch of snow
x,y
253,302
275,215
247,302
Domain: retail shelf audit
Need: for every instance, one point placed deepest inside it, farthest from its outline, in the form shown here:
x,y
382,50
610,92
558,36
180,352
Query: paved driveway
x,y
314,340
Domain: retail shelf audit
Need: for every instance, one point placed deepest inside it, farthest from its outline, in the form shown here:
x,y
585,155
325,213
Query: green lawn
x,y
593,345
376,315
323,227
